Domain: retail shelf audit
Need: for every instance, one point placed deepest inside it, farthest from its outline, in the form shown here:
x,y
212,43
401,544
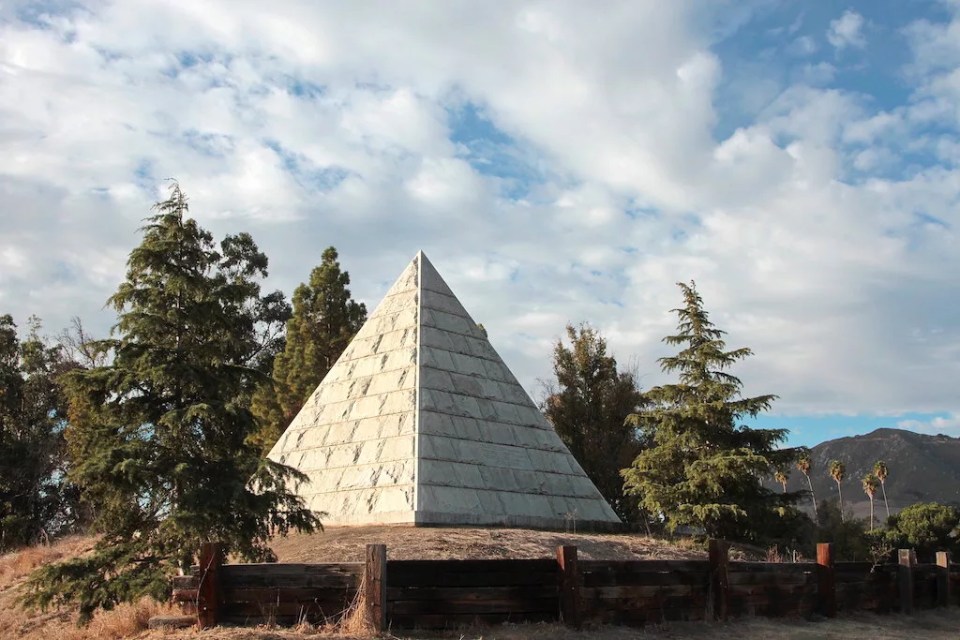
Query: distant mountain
x,y
922,468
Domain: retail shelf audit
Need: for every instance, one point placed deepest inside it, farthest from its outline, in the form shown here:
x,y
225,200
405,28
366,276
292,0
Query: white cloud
x,y
946,424
847,31
312,125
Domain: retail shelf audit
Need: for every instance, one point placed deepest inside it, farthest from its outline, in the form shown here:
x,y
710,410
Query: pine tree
x,y
325,318
838,472
589,406
880,470
160,434
703,469
33,494
803,466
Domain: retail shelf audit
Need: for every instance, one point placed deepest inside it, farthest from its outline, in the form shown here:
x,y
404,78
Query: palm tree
x,y
880,470
870,484
838,471
781,477
803,466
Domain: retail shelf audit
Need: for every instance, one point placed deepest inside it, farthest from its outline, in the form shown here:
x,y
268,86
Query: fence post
x,y
570,609
719,578
826,580
375,581
908,559
208,592
943,579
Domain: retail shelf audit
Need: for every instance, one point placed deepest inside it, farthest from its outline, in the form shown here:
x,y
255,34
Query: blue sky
x,y
558,161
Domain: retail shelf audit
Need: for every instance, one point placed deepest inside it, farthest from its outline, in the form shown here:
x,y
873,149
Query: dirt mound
x,y
347,544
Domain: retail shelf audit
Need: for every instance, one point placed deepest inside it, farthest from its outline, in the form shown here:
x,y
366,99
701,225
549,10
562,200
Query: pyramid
x,y
420,422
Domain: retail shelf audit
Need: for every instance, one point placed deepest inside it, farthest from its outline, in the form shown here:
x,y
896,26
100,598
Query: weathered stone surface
x,y
421,422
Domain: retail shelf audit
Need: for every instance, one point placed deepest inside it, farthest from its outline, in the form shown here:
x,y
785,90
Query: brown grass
x,y
347,544
18,564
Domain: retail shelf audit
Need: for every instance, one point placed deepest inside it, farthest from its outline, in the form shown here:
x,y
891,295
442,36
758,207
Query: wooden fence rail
x,y
451,593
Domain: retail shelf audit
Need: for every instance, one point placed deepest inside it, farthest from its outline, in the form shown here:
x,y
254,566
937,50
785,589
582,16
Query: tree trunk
x,y
813,496
883,489
840,491
871,514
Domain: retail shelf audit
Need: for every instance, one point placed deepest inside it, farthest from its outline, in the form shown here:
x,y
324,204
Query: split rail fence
x,y
451,593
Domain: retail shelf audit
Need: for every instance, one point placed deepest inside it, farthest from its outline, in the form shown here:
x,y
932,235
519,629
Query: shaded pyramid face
x,y
421,422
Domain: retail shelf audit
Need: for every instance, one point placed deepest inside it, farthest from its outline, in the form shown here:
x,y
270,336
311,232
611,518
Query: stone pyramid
x,y
420,422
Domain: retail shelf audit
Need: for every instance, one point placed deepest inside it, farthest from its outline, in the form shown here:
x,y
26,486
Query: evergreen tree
x,y
589,406
160,435
703,469
33,495
325,318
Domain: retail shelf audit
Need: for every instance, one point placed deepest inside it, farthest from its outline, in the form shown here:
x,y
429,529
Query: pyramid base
x,y
440,519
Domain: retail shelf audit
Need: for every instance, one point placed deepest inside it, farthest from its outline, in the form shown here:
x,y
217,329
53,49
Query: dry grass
x,y
347,544
126,621
18,564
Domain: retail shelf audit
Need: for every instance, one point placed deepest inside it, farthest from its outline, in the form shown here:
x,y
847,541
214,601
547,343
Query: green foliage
x,y
848,535
703,469
325,318
927,527
589,406
34,499
160,435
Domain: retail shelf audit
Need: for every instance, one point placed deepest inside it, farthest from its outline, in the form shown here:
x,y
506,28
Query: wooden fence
x,y
451,593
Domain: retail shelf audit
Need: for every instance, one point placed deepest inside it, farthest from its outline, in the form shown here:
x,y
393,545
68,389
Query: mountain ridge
x,y
922,468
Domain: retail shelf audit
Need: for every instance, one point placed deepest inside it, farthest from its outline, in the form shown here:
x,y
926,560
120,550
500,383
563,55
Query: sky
x,y
558,162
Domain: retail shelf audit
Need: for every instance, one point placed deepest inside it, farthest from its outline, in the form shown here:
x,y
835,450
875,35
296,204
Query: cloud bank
x,y
559,162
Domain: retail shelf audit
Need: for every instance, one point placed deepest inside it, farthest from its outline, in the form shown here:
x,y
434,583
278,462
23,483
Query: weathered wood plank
x,y
185,582
298,575
375,583
826,580
286,594
208,598
471,593
569,586
457,621
506,606
614,578
639,592
300,610
419,577
644,566
719,551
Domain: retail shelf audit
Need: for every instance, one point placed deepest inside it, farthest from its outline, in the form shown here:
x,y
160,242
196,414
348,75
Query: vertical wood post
x,y
908,559
570,605
943,579
375,581
208,593
826,581
719,578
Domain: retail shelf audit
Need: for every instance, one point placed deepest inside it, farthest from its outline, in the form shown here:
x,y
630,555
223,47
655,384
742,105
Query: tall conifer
x,y
325,318
160,434
703,469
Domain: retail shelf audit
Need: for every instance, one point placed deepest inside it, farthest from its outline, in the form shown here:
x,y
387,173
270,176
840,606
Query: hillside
x,y
923,468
